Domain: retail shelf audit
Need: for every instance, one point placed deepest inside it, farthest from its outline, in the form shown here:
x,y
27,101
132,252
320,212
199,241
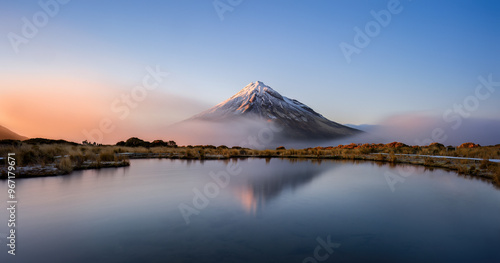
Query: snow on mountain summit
x,y
262,101
257,88
257,101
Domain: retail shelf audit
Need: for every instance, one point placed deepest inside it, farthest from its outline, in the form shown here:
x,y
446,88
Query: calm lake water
x,y
256,211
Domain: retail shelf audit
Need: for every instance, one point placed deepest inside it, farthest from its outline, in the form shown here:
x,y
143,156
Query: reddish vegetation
x,y
349,146
396,145
469,145
369,146
436,145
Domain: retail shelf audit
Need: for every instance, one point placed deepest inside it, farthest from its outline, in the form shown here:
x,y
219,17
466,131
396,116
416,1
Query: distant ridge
x,y
8,134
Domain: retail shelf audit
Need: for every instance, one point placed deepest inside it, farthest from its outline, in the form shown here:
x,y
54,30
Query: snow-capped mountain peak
x,y
258,88
258,101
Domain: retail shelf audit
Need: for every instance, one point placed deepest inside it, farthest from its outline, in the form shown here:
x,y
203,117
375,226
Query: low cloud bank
x,y
411,129
420,129
244,132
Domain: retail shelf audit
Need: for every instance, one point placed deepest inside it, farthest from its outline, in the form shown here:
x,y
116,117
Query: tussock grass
x,y
107,155
65,164
64,157
497,176
429,161
392,157
67,157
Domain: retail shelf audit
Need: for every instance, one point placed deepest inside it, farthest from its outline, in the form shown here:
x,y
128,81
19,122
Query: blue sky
x,y
427,58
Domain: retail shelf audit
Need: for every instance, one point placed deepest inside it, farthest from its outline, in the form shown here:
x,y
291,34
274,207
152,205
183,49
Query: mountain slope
x,y
8,134
259,102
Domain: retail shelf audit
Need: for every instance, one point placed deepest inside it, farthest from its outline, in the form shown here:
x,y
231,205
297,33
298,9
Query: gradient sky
x,y
65,78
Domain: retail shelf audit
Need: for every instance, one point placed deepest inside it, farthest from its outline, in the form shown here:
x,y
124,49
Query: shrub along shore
x,y
42,157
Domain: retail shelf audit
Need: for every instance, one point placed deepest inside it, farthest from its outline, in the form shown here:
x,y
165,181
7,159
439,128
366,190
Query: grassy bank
x,y
34,160
55,158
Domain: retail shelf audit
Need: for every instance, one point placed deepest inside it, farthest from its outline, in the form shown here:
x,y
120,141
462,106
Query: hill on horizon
x,y
8,134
